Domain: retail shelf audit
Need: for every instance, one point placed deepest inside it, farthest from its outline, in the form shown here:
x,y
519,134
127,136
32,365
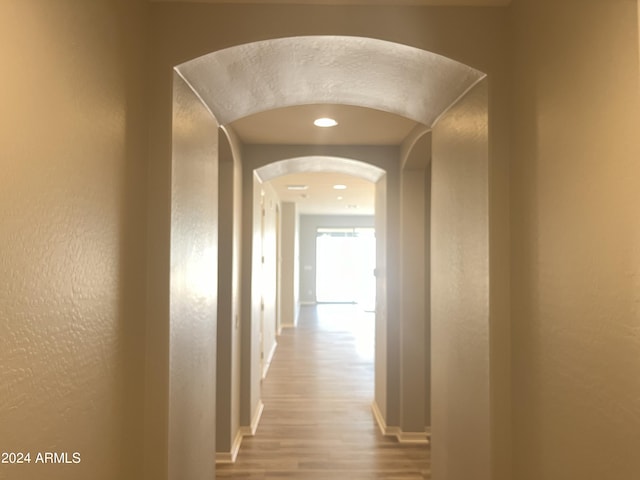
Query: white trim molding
x,y
423,438
382,425
230,457
250,431
243,431
267,363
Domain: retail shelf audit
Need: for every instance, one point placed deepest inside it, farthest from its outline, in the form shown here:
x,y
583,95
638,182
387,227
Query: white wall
x,y
460,405
382,317
266,271
575,231
193,288
72,233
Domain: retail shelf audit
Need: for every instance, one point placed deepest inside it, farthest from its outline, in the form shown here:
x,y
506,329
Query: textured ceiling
x,y
270,92
246,79
319,164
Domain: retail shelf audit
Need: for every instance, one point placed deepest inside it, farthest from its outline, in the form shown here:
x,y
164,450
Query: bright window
x,y
345,263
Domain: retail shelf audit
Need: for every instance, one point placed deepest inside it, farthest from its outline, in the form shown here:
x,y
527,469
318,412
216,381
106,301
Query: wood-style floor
x,y
317,422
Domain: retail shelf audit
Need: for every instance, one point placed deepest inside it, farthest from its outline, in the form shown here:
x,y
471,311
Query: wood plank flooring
x,y
317,422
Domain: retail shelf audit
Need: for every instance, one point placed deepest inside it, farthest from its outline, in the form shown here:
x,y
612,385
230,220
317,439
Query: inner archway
x,y
304,185
265,170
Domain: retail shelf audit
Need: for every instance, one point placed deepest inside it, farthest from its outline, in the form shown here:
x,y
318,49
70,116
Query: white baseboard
x,y
246,431
267,363
250,431
416,438
230,457
403,437
382,425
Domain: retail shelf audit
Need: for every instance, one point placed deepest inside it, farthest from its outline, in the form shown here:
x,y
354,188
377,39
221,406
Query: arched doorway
x,y
246,79
352,167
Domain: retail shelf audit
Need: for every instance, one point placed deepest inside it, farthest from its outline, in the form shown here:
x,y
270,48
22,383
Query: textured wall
x,y
226,307
460,402
194,287
576,254
72,199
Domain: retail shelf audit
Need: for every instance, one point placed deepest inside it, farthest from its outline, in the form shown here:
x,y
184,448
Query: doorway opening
x,y
345,264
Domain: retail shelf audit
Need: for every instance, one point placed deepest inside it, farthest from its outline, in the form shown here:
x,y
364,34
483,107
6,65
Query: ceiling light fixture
x,y
325,122
297,187
339,187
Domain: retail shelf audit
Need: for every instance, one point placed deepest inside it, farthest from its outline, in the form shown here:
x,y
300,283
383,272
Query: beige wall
x,y
228,343
415,232
289,275
460,399
575,230
193,287
72,200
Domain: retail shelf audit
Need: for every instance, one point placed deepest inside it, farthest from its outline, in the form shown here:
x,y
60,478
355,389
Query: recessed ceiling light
x,y
339,187
297,187
325,122
340,198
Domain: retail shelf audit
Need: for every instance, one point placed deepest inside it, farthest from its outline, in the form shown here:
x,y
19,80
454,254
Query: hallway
x,y
317,422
